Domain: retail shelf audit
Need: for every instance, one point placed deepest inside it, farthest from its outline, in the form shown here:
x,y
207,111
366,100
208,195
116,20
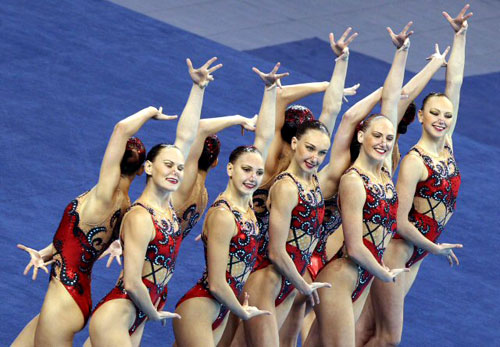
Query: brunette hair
x,y
295,115
210,153
240,150
408,118
311,125
134,156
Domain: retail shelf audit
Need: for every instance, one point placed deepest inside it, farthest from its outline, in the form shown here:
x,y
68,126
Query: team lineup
x,y
293,252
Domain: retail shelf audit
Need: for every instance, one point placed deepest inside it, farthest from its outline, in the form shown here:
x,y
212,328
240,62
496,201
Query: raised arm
x,y
391,93
340,154
137,231
207,127
187,127
284,198
412,171
219,229
353,196
109,176
414,87
455,67
267,114
332,100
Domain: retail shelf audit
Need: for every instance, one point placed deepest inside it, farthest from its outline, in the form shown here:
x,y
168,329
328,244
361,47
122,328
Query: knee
x,y
391,339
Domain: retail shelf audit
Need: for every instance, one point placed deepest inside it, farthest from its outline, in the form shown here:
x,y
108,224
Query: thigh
x,y
412,275
60,318
335,315
26,337
195,326
263,287
110,323
387,299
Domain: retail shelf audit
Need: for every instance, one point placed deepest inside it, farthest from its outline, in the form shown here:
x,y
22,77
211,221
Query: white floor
x,y
245,25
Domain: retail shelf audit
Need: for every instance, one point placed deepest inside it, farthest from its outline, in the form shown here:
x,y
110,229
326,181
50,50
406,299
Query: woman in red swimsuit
x,y
89,224
368,205
231,238
295,221
428,185
151,234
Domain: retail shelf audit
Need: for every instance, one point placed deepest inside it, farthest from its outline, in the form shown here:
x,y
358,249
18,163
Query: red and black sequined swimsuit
x,y
307,219
379,216
76,252
331,222
440,187
161,255
242,251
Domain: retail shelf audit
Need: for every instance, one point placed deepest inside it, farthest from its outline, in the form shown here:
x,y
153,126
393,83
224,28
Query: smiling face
x,y
436,116
246,172
310,150
377,139
167,169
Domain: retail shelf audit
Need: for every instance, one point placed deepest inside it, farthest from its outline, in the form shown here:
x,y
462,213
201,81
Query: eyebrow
x,y
310,144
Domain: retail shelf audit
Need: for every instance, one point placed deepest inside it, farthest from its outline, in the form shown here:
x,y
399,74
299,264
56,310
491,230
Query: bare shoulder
x,y
284,192
221,221
412,165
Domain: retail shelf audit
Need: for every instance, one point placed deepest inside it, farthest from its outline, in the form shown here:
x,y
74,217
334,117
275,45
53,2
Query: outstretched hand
x,y
115,251
393,273
438,55
314,296
248,124
446,249
340,47
252,311
203,75
459,23
271,78
36,262
403,37
158,114
163,315
350,91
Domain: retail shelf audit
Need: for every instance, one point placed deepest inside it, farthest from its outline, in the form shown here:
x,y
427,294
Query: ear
x,y
420,116
148,167
140,171
214,164
229,169
360,136
293,143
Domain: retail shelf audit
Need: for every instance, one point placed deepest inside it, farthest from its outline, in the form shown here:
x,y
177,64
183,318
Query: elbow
x,y
354,250
130,286
120,128
274,255
214,288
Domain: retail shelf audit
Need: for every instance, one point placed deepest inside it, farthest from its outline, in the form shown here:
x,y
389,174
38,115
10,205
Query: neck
x,y
433,145
155,197
368,164
297,171
237,199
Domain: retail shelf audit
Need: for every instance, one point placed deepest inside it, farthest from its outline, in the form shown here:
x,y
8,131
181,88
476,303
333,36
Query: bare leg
x,y
60,318
309,319
110,324
230,330
335,317
293,323
388,298
195,327
27,336
263,287
365,326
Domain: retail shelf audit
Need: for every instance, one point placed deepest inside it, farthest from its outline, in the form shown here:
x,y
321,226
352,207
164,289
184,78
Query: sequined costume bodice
x,y
77,245
242,248
435,198
379,213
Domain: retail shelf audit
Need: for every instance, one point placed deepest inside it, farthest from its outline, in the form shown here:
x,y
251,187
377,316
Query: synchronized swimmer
x,y
292,251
